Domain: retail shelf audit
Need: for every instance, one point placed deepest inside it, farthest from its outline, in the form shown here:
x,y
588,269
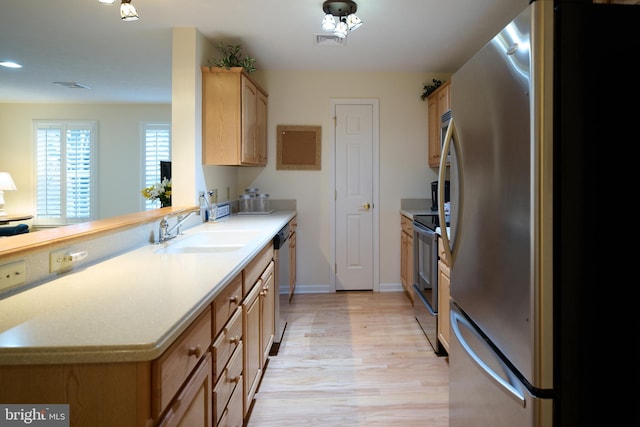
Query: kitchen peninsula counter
x,y
130,307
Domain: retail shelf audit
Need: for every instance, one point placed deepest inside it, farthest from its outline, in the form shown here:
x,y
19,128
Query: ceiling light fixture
x,y
345,12
10,64
127,11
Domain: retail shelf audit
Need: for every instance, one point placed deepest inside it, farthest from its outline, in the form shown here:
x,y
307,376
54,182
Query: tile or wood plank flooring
x,y
353,359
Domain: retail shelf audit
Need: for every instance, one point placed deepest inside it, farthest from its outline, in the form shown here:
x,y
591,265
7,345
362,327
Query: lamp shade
x,y
6,182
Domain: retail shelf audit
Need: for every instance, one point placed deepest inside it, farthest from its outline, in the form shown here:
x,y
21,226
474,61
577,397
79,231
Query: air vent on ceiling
x,y
72,85
329,40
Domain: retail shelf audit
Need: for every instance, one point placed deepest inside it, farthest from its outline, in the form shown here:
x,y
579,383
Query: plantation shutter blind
x,y
64,172
157,147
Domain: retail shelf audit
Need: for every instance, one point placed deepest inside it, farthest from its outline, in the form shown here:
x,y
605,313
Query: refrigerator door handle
x,y
511,386
450,137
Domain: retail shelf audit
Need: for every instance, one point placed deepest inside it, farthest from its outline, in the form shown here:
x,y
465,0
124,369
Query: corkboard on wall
x,y
298,147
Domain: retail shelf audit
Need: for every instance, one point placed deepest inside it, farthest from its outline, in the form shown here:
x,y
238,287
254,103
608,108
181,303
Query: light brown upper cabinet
x,y
438,104
234,118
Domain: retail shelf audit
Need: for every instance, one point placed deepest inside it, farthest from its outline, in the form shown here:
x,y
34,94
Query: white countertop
x,y
129,307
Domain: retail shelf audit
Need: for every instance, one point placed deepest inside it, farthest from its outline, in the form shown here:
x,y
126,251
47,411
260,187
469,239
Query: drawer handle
x,y
235,379
195,351
234,340
233,299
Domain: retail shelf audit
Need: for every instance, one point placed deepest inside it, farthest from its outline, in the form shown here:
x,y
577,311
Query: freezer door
x,y
483,391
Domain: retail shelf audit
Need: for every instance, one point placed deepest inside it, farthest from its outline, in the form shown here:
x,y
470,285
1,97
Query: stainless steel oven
x,y
425,278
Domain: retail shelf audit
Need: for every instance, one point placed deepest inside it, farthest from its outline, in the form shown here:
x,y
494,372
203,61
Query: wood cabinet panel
x,y
438,103
226,304
267,315
406,255
256,267
226,343
234,118
192,407
230,379
251,340
444,293
173,367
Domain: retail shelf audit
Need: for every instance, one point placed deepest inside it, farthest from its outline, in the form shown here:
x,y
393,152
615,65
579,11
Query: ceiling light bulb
x,y
328,22
127,11
341,29
107,1
353,22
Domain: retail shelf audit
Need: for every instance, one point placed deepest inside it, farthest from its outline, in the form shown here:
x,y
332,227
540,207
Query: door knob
x,y
366,206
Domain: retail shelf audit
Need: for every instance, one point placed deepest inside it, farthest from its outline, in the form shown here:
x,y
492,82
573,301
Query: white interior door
x,y
355,234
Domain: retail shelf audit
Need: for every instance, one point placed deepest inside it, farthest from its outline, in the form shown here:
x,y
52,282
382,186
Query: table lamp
x,y
6,183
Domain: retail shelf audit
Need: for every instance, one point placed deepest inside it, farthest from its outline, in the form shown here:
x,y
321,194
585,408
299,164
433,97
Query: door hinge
x,y
335,121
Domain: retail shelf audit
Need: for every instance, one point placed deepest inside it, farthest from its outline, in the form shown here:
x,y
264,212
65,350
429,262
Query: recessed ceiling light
x,y
72,85
10,64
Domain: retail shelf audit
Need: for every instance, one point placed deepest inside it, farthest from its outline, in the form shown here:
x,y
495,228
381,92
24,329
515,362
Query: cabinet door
x,y
249,102
444,290
438,104
251,338
267,315
434,132
192,407
261,128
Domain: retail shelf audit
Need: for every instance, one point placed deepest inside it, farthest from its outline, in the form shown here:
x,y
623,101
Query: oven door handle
x,y
421,229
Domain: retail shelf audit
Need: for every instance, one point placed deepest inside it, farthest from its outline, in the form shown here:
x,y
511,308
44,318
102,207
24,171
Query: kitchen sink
x,y
210,242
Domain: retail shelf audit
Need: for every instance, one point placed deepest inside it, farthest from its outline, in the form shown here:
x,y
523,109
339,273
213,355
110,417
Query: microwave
x,y
445,119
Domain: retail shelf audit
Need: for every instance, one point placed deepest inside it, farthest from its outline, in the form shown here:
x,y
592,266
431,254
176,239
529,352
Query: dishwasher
x,y
282,278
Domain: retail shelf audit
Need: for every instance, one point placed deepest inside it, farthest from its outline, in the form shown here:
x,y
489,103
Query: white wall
x,y
303,98
119,150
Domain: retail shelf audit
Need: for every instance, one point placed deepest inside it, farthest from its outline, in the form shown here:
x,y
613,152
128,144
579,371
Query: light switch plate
x,y
13,274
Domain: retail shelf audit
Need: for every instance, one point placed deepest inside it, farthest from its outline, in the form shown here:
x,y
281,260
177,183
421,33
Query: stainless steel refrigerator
x,y
540,115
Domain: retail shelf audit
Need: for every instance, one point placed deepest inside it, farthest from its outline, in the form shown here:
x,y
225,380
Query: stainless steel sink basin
x,y
210,242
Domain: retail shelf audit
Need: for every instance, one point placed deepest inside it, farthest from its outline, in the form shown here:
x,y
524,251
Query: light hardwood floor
x,y
353,359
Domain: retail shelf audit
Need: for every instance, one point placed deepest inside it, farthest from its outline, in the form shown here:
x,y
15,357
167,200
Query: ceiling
x,y
86,42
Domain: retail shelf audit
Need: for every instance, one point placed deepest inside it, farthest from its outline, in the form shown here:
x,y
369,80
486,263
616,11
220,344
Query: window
x,y
157,148
65,172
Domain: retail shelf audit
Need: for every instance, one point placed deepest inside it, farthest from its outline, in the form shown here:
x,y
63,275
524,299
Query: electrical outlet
x,y
60,260
12,274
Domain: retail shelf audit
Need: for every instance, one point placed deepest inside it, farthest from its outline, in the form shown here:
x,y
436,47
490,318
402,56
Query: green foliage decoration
x,y
428,89
232,56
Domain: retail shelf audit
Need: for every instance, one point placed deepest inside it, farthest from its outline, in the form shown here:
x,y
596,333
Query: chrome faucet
x,y
164,232
211,207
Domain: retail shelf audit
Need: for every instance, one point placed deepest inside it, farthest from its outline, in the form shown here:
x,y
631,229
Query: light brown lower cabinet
x,y
444,293
207,377
192,406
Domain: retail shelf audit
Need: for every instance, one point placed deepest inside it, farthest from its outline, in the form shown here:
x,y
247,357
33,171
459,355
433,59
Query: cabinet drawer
x,y
225,304
230,379
226,343
254,270
174,366
233,414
